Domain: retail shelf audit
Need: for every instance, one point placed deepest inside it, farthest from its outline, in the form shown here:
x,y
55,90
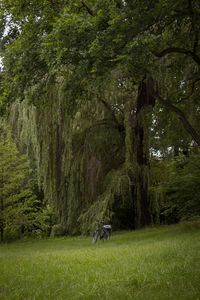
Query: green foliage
x,y
176,188
114,205
21,212
182,188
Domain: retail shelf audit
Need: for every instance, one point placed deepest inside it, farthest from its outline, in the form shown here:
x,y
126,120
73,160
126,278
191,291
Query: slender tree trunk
x,y
142,203
1,221
130,157
145,102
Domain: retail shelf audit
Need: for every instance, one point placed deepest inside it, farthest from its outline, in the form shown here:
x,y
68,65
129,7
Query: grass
x,y
158,263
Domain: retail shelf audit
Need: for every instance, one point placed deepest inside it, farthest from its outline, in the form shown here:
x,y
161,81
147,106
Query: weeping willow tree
x,y
82,76
83,158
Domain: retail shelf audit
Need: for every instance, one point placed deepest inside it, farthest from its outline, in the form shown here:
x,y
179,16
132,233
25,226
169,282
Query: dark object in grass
x,y
103,232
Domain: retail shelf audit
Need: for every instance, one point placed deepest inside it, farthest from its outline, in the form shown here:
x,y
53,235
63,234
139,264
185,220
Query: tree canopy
x,y
110,93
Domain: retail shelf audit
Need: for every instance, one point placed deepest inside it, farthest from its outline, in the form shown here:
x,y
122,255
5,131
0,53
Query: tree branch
x,y
191,92
114,118
89,10
186,124
178,50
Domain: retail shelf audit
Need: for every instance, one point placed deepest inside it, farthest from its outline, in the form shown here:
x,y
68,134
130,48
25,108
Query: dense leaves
x,y
182,192
21,213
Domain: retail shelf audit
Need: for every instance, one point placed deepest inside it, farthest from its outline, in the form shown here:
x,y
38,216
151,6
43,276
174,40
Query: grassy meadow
x,y
158,263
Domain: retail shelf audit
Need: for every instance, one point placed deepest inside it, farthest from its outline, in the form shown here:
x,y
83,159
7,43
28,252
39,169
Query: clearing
x,y
157,263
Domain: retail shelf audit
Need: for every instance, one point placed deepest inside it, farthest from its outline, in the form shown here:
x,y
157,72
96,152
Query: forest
x,y
99,115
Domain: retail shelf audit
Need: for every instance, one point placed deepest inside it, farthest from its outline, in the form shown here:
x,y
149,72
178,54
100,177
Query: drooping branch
x,y
178,50
89,10
188,127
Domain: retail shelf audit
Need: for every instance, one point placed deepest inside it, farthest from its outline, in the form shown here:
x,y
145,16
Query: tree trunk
x,y
1,222
176,151
145,102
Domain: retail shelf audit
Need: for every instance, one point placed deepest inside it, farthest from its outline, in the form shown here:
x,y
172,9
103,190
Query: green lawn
x,y
159,263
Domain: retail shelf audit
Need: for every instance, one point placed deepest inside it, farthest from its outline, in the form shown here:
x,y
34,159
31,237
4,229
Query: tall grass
x,y
159,263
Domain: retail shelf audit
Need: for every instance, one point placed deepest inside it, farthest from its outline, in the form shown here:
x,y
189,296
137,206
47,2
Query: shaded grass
x,y
158,263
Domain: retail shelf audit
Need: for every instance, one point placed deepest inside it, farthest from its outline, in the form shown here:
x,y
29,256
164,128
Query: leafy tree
x,y
175,185
21,212
147,52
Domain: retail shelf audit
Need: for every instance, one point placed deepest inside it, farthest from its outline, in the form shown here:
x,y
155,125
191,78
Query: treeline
x,y
103,96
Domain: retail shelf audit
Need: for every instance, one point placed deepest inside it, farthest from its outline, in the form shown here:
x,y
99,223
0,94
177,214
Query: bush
x,y
177,189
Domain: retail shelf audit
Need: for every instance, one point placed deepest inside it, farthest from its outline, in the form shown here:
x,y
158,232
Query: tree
x,y
21,211
87,47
